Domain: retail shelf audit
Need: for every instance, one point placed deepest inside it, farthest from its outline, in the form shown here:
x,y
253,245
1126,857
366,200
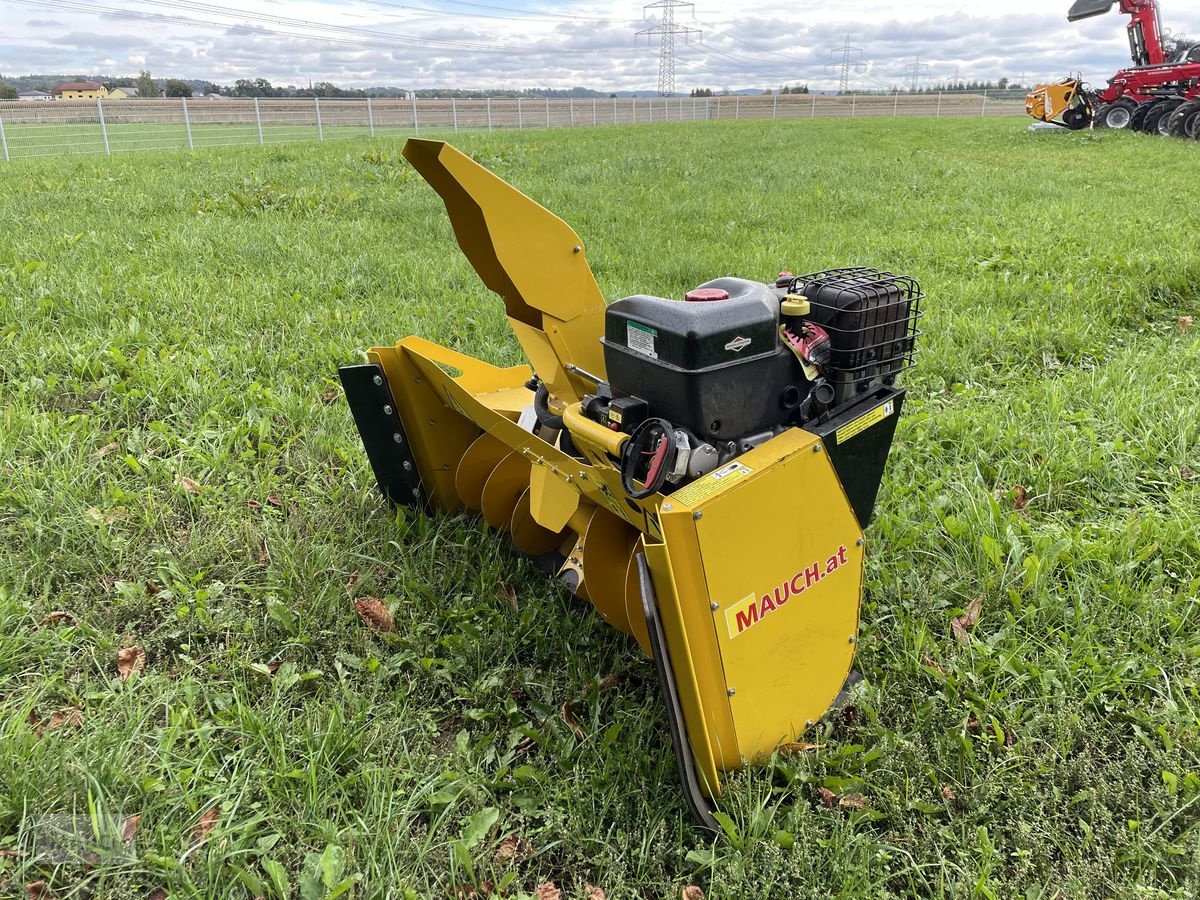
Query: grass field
x,y
178,473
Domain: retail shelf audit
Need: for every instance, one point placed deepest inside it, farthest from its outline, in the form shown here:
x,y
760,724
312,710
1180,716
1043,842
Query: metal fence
x,y
113,126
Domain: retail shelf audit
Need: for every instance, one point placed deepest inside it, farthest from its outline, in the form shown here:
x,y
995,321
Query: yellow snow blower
x,y
700,469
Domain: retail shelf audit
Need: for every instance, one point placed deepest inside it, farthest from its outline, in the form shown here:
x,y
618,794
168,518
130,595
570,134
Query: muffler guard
x,y
744,584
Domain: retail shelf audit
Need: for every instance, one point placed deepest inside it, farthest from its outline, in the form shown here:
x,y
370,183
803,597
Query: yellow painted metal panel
x,y
783,561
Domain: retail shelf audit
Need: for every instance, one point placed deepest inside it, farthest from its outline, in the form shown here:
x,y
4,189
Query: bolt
x,y
583,475
433,421
816,448
417,381
378,381
397,438
861,542
697,516
577,249
416,492
667,507
387,410
731,692
809,723
407,466
714,606
854,639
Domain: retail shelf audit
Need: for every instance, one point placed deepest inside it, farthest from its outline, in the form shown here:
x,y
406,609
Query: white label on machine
x,y
640,339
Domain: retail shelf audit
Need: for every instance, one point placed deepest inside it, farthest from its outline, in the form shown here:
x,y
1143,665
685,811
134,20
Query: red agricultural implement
x,y
1158,94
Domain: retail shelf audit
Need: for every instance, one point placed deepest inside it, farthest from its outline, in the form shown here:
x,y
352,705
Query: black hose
x,y
645,440
541,408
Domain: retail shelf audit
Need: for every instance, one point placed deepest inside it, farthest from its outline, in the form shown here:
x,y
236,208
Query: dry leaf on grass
x,y
853,801
828,797
548,891
188,484
799,747
38,890
129,828
105,450
58,617
157,894
614,680
1020,497
204,827
691,892
572,723
1185,323
509,595
513,849
377,616
263,556
68,715
330,396
933,664
948,793
591,892
103,518
130,660
274,500
962,625
352,583
1187,474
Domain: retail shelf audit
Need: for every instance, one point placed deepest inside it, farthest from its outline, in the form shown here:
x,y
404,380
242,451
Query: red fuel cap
x,y
706,295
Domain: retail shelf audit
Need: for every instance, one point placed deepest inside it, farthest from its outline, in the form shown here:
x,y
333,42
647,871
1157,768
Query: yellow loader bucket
x,y
700,470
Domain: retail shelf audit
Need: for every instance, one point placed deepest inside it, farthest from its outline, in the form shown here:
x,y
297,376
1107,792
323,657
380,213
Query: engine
x,y
697,383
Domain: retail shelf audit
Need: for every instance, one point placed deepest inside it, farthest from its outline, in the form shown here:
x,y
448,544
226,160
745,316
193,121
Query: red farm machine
x,y
1158,94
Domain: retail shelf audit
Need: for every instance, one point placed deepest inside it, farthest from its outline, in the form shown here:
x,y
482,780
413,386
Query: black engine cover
x,y
717,368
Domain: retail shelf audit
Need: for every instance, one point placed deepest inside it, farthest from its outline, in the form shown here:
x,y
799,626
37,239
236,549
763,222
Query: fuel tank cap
x,y
706,295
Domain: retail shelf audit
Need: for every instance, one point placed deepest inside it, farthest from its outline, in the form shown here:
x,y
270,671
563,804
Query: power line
x,y
849,62
667,29
916,70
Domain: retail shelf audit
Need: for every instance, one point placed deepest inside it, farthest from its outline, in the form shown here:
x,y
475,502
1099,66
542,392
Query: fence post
x,y
489,105
814,106
983,111
320,130
939,108
454,113
370,119
775,108
103,127
718,109
571,100
187,123
614,110
520,121
547,110
258,120
853,105
896,105
4,141
416,124
593,110
737,106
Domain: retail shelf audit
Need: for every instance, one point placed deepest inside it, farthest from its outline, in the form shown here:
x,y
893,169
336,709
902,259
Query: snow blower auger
x,y
700,471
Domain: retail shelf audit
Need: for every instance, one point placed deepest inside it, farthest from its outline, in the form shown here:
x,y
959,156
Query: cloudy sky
x,y
591,43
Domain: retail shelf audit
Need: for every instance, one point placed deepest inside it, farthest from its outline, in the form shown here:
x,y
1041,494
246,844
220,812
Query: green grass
x,y
192,310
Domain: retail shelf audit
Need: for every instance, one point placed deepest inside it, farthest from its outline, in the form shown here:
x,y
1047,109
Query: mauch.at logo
x,y
738,344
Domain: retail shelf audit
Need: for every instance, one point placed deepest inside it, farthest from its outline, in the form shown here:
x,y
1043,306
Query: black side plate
x,y
383,435
859,457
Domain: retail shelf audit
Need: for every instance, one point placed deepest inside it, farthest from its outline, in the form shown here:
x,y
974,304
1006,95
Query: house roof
x,y
79,86
127,90
32,94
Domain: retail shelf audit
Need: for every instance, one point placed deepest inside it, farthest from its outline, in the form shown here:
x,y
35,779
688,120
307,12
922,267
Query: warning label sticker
x,y
712,483
861,424
640,339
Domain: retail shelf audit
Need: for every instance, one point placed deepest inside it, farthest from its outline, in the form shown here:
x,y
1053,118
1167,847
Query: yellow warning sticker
x,y
861,424
712,483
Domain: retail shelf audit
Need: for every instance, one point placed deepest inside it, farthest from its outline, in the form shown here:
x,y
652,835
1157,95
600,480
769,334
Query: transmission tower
x,y
668,28
916,69
848,63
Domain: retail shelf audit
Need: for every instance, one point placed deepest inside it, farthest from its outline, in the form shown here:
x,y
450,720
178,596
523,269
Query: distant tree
x,y
259,87
7,91
614,96
177,88
794,89
701,92
145,85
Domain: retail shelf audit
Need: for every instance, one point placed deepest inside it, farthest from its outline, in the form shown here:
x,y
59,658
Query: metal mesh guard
x,y
871,317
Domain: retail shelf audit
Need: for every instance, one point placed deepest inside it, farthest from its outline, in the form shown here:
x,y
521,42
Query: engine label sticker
x,y
754,609
738,344
705,487
859,425
641,339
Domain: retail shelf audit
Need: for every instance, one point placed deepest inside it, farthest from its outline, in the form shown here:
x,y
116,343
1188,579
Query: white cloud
x,y
761,43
